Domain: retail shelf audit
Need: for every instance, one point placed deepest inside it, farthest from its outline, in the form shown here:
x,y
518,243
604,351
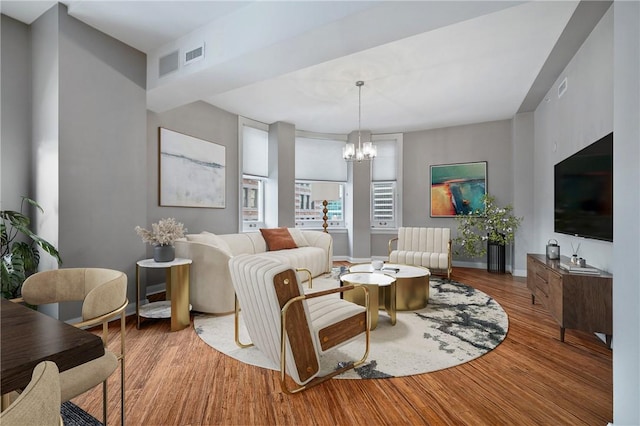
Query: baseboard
x,y
475,265
519,273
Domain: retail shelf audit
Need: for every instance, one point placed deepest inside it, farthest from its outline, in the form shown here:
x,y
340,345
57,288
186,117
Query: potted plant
x,y
494,225
20,255
162,236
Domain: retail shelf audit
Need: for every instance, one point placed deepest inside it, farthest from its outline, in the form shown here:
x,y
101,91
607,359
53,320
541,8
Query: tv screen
x,y
584,192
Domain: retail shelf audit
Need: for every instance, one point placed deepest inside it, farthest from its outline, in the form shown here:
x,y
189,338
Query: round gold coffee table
x,y
382,293
412,283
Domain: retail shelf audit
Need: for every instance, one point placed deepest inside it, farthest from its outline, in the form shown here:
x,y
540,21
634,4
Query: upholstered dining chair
x,y
103,293
39,402
294,329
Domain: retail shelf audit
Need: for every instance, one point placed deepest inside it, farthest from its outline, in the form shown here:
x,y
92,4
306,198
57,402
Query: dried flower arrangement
x,y
163,233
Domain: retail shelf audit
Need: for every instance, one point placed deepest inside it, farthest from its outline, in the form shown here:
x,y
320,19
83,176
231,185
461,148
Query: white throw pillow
x,y
298,237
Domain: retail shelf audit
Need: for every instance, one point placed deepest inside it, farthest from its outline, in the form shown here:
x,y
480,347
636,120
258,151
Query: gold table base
x,y
412,293
380,297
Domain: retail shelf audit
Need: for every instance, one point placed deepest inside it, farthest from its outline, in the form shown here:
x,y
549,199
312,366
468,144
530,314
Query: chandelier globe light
x,y
366,150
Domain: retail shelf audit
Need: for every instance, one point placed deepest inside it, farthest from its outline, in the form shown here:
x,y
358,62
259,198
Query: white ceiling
x,y
425,64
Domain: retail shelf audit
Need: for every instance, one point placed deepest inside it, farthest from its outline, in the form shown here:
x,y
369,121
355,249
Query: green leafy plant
x,y
495,224
20,256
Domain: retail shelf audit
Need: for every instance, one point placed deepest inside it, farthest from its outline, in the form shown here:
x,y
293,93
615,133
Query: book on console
x,y
570,267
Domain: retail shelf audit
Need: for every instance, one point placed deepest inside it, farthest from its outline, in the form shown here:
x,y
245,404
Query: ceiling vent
x,y
193,55
562,87
168,63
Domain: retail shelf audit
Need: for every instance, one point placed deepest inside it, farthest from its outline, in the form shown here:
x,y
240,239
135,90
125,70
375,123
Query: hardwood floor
x,y
530,379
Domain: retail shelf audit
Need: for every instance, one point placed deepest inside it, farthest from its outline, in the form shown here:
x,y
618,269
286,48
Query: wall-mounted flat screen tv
x,y
584,192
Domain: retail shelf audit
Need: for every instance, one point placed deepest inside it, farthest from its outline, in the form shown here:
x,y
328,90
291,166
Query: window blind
x,y
384,166
255,151
320,160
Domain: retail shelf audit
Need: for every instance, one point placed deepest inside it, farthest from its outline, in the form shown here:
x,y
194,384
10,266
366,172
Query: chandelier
x,y
366,150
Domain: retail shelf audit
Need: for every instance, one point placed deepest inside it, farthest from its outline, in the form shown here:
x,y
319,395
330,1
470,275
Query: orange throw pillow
x,y
278,239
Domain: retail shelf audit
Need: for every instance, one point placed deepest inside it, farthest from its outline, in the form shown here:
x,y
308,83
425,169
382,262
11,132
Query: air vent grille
x,y
562,88
194,54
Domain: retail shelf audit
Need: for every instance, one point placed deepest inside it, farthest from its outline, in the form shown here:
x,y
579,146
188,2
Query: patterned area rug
x,y
459,324
72,415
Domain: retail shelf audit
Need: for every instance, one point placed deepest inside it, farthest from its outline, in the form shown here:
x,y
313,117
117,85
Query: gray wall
x,y
282,159
45,129
88,126
102,158
626,249
567,124
15,121
490,142
523,136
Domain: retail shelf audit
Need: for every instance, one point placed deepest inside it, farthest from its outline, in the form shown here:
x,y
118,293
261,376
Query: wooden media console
x,y
581,301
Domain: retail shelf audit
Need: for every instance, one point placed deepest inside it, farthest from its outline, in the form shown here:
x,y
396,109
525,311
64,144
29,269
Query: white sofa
x,y
211,289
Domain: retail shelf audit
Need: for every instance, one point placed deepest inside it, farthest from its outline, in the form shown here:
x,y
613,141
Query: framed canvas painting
x,y
192,171
458,189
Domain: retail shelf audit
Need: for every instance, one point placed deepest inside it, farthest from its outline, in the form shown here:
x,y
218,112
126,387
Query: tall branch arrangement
x,y
495,224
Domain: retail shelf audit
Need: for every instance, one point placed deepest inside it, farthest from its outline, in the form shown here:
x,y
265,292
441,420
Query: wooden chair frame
x,y
300,340
104,320
283,339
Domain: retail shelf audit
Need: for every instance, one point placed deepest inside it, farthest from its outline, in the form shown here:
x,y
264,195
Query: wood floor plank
x,y
530,379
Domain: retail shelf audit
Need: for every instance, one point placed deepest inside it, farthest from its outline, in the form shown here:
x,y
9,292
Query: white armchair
x,y
428,247
292,328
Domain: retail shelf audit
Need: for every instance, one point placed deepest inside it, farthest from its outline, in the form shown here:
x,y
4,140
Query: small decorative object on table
x,y
574,256
553,250
162,236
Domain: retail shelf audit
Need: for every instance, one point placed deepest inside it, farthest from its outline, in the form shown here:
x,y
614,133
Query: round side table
x,y
177,282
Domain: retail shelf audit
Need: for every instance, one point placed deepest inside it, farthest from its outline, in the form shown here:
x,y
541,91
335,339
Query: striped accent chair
x,y
294,329
427,247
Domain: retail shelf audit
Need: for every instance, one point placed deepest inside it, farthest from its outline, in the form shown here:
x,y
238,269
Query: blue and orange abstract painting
x,y
457,189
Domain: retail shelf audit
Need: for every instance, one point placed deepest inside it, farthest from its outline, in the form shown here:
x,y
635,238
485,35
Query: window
x,y
318,159
255,170
252,201
385,174
383,197
309,213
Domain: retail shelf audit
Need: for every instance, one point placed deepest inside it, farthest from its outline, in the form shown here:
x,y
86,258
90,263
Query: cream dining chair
x,y
103,293
39,403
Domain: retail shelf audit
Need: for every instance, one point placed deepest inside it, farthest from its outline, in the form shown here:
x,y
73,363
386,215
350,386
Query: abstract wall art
x,y
457,189
192,171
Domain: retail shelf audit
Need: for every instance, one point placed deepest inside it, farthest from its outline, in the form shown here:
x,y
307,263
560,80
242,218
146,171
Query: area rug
x,y
458,325
72,415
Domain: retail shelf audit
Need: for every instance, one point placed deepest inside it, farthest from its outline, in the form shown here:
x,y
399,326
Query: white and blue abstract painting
x,y
192,171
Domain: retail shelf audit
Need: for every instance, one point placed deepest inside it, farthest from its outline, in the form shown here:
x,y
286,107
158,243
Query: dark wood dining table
x,y
29,337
